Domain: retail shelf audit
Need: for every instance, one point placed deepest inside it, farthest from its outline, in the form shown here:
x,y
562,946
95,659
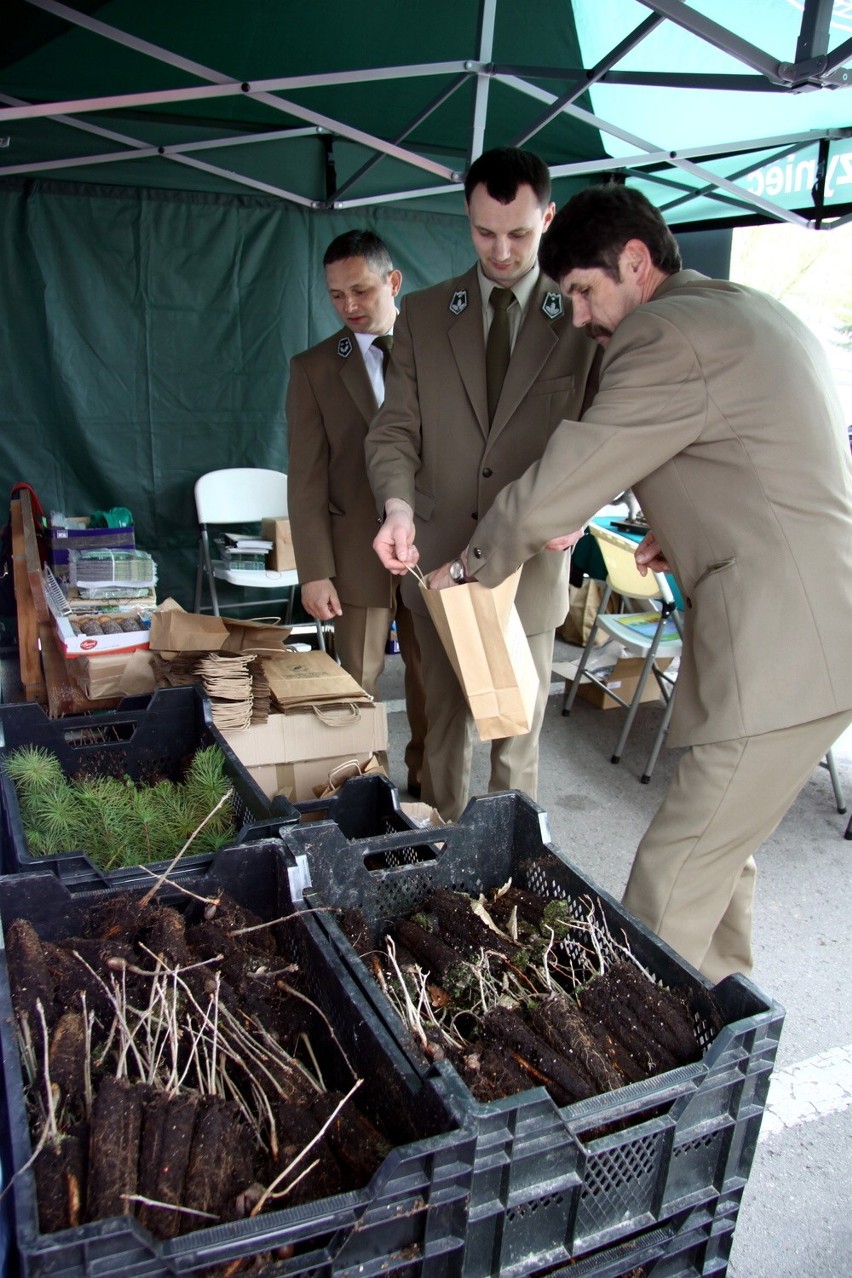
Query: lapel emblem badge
x,y
459,302
552,305
344,347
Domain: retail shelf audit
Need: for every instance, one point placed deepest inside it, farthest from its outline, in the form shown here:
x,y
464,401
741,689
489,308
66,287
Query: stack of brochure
x,y
239,550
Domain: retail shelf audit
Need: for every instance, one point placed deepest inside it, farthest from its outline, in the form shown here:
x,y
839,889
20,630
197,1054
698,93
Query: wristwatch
x,y
458,574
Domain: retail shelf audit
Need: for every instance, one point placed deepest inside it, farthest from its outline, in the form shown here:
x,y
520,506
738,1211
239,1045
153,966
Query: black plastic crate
x,y
156,733
549,1181
362,808
409,1221
697,1245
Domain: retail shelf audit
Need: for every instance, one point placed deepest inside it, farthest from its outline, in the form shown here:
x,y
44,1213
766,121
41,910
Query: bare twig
x,y
270,1190
152,1202
155,887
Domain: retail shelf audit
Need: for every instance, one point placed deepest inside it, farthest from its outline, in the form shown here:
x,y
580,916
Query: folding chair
x,y
831,767
654,635
243,495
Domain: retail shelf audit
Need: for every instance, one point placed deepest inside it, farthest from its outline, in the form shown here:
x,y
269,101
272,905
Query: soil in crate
x,y
517,994
177,1071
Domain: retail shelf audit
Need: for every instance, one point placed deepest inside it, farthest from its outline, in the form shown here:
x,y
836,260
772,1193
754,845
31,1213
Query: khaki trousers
x,y
360,637
693,877
450,732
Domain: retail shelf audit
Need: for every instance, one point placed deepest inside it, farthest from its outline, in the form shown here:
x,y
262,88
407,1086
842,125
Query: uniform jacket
x,y
718,407
430,443
330,403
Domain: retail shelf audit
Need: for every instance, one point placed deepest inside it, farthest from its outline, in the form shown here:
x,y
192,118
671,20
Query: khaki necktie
x,y
385,345
498,348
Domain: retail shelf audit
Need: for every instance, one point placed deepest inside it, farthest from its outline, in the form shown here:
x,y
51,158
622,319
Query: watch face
x,y
457,570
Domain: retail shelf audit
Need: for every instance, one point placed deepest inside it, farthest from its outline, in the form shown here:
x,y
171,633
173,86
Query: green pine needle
x,y
117,822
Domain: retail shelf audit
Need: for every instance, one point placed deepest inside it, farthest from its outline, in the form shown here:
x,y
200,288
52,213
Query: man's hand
x,y
565,542
394,542
440,578
320,601
649,554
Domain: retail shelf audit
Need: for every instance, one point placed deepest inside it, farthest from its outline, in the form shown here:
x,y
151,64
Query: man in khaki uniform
x,y
717,406
335,389
437,457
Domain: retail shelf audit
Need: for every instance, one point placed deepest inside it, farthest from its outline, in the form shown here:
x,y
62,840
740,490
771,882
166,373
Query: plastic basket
x,y
695,1245
550,1181
157,733
362,808
409,1221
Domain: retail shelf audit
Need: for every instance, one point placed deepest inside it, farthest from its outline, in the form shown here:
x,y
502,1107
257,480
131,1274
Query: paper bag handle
x,y
347,763
346,713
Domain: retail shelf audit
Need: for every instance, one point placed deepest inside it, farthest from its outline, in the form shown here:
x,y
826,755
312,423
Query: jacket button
x,y
474,515
487,473
477,553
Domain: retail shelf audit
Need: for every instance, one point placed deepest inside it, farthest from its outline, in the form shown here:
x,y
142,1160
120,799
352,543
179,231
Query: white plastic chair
x,y
243,495
653,635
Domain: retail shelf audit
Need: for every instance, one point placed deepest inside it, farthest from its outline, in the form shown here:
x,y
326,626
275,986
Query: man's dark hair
x,y
593,227
506,168
361,243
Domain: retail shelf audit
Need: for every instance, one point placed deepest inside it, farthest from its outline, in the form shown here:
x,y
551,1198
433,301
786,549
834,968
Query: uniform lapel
x,y
354,377
466,338
534,345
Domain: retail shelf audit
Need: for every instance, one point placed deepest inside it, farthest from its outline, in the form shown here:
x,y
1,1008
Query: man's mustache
x,y
597,330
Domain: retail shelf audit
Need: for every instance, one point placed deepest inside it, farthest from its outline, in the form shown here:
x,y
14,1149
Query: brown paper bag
x,y
282,557
485,641
174,630
584,602
301,678
341,773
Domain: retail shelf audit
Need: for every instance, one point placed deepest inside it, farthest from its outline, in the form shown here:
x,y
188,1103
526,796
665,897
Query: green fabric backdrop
x,y
146,338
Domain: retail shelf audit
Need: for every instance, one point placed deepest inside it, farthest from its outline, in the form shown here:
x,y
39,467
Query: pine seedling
x,y
53,821
34,770
104,801
206,784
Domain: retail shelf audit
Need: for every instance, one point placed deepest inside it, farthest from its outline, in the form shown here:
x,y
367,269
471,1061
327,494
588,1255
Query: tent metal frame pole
x,y
485,45
675,158
584,82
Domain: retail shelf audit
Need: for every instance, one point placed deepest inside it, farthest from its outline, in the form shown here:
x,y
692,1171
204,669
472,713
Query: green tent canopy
x,y
721,110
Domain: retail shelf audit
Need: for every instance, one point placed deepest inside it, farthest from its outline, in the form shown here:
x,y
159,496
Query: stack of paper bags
x,y
322,719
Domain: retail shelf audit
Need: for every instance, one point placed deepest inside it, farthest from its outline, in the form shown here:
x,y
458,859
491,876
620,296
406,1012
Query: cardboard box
x,y
281,557
319,732
624,678
113,674
299,781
